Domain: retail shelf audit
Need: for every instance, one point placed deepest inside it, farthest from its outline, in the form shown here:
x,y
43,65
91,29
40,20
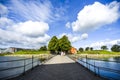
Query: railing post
x,y
98,72
94,67
86,62
38,61
32,61
24,65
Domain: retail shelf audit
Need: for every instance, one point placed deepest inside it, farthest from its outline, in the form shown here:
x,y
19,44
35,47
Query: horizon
x,y
31,24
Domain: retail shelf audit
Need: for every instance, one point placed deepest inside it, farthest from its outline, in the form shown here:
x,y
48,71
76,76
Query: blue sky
x,y
32,23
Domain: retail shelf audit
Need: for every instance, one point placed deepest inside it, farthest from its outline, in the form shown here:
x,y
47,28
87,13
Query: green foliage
x,y
104,47
43,48
87,49
64,43
52,44
115,48
81,49
91,48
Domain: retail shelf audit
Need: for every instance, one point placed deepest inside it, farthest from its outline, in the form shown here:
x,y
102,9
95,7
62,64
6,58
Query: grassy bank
x,y
25,53
42,55
98,54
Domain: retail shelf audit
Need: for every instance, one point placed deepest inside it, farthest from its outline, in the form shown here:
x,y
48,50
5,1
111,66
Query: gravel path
x,y
59,68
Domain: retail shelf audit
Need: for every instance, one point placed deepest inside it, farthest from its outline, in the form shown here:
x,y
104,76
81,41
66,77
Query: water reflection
x,y
19,64
112,63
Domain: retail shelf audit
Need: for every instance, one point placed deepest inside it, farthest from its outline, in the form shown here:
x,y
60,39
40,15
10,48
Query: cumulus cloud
x,y
75,37
94,16
29,34
68,24
14,39
30,28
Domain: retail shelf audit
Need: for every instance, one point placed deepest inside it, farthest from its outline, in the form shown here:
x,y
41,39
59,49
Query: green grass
x,y
98,52
26,52
32,52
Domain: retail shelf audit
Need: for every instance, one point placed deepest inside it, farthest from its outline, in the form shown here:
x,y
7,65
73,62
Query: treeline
x,y
114,48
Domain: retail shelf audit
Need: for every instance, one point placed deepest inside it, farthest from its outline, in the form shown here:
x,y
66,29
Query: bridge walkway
x,y
59,68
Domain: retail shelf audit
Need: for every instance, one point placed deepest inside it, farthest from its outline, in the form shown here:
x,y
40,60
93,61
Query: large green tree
x,y
52,44
104,47
64,44
115,48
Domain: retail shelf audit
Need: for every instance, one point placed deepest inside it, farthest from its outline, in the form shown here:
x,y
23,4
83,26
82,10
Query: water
x,y
17,71
113,64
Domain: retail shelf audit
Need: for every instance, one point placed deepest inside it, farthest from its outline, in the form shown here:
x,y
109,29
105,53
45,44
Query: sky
x,y
32,23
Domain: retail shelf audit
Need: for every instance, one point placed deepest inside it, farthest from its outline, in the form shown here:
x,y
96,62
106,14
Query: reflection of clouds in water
x,y
10,72
106,64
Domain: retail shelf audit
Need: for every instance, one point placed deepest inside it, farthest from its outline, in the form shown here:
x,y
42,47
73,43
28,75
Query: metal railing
x,y
22,66
97,69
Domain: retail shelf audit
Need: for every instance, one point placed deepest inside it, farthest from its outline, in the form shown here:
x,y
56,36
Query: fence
x,y
106,72
13,68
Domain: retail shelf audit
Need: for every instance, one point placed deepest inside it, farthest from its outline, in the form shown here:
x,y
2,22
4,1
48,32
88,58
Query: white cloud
x,y
74,37
36,10
68,24
27,34
108,43
14,39
4,22
3,10
33,29
32,10
94,16
84,36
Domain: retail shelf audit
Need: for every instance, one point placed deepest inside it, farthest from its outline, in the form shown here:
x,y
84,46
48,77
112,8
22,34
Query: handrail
x,y
33,59
108,69
24,65
96,69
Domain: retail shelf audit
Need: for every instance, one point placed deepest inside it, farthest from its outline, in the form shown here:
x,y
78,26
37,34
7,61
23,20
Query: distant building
x,y
10,50
73,50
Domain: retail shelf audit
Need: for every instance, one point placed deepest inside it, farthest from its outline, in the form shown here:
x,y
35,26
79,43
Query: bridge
x,y
59,68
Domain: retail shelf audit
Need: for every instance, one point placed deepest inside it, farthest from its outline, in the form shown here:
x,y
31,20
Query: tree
x,y
81,49
115,48
52,44
104,47
64,44
43,48
87,49
91,48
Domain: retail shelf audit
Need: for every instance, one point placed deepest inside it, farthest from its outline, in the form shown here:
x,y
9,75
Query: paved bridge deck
x,y
59,68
